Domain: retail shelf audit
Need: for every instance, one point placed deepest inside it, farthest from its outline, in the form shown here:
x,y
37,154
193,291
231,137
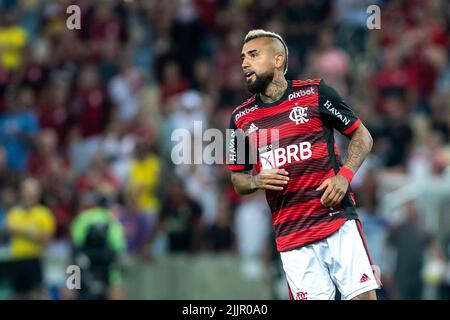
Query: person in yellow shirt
x,y
144,178
13,40
31,227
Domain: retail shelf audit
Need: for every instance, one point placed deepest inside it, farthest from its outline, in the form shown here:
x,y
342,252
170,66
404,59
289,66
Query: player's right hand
x,y
271,179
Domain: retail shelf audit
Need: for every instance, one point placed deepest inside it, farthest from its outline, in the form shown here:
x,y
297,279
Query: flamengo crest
x,y
298,115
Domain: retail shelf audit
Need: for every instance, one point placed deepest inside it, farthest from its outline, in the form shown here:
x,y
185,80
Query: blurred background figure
x,y
30,226
14,39
445,285
99,243
18,124
330,61
252,225
410,241
180,220
375,228
91,112
144,179
7,200
220,235
138,226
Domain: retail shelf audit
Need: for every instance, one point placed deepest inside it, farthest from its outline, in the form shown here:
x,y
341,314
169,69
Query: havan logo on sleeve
x,y
336,113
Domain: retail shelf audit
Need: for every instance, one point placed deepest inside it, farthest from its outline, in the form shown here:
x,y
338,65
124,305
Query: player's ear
x,y
279,60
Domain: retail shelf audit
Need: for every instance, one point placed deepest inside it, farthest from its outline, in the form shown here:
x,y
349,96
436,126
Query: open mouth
x,y
249,75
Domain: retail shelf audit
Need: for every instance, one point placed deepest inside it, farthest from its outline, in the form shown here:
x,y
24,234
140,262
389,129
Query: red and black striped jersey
x,y
295,133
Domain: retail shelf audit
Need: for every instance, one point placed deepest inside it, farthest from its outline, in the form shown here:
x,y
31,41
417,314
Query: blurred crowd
x,y
86,118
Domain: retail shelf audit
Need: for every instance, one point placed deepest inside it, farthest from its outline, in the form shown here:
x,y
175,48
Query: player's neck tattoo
x,y
274,90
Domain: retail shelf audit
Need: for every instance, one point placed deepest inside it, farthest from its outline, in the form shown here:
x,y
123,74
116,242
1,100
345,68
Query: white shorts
x,y
340,260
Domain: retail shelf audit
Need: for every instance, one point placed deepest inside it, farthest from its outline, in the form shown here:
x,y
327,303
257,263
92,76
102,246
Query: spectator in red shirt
x,y
393,78
54,110
98,179
90,106
106,23
46,164
172,82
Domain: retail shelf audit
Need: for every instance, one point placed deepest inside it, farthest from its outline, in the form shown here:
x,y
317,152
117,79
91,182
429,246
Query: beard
x,y
261,82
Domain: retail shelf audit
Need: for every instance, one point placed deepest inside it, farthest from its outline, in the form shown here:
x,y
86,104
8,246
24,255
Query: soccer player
x,y
289,126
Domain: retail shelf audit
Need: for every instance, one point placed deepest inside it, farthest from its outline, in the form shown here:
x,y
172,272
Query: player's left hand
x,y
335,189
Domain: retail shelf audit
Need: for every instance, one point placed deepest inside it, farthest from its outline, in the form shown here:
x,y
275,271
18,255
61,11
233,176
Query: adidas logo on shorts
x,y
364,278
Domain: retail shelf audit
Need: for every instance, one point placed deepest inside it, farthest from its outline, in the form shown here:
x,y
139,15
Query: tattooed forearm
x,y
243,182
360,145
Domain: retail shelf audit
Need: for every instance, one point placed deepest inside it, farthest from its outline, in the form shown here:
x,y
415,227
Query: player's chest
x,y
288,118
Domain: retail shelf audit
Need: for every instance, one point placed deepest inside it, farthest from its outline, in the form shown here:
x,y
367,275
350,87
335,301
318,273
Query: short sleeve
x,y
11,218
237,155
117,237
335,112
78,229
47,222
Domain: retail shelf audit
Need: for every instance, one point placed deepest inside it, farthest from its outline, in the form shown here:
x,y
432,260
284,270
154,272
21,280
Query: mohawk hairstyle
x,y
260,33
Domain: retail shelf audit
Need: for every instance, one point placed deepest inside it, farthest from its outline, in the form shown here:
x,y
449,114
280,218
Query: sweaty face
x,y
257,64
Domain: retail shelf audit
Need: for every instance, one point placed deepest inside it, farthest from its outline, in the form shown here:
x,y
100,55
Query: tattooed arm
x,y
360,145
337,114
336,187
269,179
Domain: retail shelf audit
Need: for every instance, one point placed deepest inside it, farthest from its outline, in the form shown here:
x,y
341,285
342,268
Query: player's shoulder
x,y
307,82
14,210
246,103
41,210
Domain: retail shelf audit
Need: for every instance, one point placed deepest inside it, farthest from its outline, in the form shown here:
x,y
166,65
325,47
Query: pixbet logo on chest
x,y
301,93
244,112
280,156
